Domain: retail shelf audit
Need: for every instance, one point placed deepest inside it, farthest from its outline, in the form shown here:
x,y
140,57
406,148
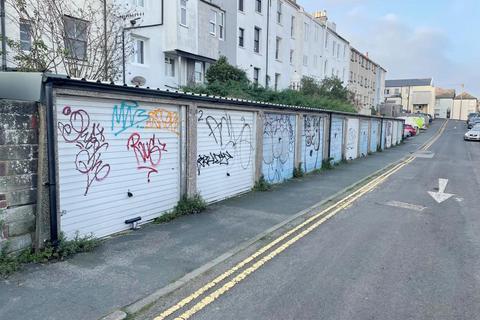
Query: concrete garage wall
x,y
219,148
18,173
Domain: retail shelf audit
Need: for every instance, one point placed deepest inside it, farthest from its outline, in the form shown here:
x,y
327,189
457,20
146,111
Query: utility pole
x,y
105,49
4,35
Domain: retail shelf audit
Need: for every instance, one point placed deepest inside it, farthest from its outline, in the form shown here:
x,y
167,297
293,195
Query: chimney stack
x,y
321,16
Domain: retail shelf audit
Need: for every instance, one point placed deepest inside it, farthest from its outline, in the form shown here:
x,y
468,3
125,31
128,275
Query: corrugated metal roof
x,y
408,82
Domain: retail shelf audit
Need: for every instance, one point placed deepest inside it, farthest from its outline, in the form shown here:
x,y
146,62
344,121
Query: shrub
x,y
298,172
262,185
185,206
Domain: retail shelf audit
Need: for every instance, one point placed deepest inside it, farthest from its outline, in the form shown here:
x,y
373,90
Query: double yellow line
x,y
209,292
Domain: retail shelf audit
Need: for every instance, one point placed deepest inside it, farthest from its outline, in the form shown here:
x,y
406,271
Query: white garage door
x,y
312,142
225,153
116,160
351,148
388,133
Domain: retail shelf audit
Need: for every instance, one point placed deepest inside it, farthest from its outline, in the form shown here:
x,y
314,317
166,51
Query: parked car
x,y
472,116
473,122
473,134
409,131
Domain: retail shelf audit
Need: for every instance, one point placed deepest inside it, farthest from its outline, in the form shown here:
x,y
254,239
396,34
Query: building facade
x,y
364,82
464,104
444,99
170,44
415,95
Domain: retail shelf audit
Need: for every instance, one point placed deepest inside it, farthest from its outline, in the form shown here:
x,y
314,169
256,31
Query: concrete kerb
x,y
144,303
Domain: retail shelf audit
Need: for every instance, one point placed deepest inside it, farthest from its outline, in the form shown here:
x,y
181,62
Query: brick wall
x,y
18,173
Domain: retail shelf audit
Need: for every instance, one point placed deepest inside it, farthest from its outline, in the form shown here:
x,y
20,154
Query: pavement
x,y
130,266
396,253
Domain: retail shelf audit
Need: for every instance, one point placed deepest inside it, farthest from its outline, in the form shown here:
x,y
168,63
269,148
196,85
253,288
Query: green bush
x,y
186,205
226,80
262,185
10,263
298,172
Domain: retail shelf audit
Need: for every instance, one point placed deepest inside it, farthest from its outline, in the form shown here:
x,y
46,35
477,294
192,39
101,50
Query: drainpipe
x,y
266,46
329,135
52,169
381,133
4,34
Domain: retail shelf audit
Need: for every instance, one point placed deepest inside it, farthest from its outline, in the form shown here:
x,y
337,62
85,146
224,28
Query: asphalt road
x,y
410,259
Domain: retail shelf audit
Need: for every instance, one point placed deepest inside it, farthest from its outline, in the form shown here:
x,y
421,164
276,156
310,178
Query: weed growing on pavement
x,y
298,172
262,185
10,263
186,205
327,164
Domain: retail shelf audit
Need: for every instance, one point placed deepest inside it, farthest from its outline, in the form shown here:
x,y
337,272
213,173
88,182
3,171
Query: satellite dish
x,y
138,81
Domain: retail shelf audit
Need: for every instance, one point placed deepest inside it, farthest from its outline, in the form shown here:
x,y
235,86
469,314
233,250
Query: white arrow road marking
x,y
441,196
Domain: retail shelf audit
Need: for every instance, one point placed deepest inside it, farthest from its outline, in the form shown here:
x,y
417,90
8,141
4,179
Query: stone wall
x,y
18,173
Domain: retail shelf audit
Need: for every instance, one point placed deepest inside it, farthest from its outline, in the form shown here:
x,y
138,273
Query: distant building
x,y
444,102
366,78
464,104
415,95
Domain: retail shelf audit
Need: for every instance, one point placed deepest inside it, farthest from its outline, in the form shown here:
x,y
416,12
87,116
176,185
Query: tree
x,y
68,37
223,72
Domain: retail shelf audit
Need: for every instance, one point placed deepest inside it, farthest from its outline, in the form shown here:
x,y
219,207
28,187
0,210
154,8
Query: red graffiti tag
x,y
148,154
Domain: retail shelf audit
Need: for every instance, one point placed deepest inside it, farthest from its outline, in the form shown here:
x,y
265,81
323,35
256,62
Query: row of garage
x,y
121,155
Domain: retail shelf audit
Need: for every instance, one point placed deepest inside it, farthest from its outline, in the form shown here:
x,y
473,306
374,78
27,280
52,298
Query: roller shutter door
x,y
312,142
374,135
116,160
278,147
351,148
225,153
388,134
336,139
363,138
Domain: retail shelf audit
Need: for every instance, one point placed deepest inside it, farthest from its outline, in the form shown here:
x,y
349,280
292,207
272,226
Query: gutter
x,y
52,168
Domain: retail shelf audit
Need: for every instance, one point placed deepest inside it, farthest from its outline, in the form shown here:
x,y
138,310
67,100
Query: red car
x,y
409,131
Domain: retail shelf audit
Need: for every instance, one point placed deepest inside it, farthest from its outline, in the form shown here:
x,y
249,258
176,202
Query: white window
x,y
258,6
169,67
305,60
333,48
139,3
291,55
256,39
25,35
256,75
338,50
306,31
325,68
278,42
344,51
138,55
326,40
221,25
183,12
241,37
315,60
277,80
199,70
317,32
292,27
212,22
279,11
75,37
240,5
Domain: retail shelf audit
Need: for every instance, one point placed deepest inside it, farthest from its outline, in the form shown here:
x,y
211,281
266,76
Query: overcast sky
x,y
413,38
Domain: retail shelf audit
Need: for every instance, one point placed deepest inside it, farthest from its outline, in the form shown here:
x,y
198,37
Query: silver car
x,y
473,134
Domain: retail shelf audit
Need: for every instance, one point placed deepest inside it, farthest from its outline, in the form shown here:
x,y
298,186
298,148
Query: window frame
x,y
256,75
241,5
69,40
258,6
136,41
278,43
183,9
221,26
276,81
292,27
169,66
28,33
241,37
256,39
279,12
212,24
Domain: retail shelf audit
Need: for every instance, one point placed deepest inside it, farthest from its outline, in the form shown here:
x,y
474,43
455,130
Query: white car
x,y
473,134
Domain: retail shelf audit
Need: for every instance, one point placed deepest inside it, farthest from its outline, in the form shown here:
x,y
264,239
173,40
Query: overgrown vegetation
x,y
10,263
226,80
298,171
262,185
186,205
327,164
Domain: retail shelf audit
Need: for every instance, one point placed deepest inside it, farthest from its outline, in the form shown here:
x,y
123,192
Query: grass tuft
x,y
186,205
262,185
